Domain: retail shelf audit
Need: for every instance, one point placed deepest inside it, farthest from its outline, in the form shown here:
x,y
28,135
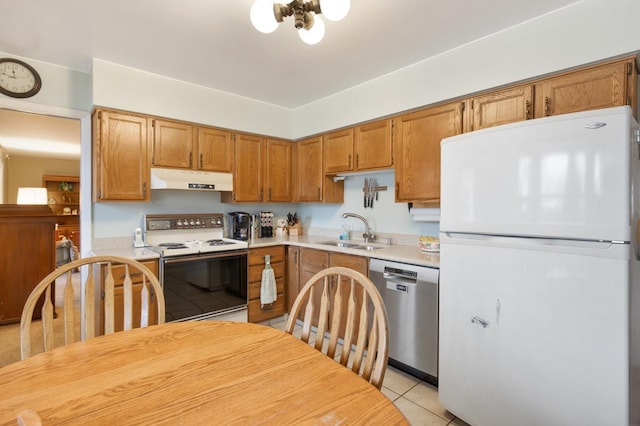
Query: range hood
x,y
190,180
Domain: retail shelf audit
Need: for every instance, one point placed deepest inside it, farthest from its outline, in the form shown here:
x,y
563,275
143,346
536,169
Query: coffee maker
x,y
240,225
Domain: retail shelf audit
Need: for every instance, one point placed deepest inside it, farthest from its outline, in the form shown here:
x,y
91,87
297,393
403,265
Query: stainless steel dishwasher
x,y
410,295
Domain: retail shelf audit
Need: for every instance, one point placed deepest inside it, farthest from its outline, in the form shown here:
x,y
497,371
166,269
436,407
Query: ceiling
x,y
213,44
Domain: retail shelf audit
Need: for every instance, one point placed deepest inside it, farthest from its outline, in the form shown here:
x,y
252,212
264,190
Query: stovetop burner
x,y
186,234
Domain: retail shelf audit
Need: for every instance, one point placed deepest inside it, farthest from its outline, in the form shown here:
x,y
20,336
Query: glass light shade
x,y
262,16
335,10
32,195
314,34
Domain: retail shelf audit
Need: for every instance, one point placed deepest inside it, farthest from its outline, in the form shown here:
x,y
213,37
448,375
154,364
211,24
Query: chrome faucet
x,y
368,234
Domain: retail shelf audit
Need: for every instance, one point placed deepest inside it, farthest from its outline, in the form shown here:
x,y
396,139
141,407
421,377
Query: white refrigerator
x,y
540,272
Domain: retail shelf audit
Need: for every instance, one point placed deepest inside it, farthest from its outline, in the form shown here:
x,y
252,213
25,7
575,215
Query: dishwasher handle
x,y
400,275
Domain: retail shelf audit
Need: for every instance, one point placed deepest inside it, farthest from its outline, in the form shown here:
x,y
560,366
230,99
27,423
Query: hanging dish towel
x,y
268,290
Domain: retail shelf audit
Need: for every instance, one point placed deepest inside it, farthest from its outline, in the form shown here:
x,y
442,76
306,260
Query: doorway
x,y
43,151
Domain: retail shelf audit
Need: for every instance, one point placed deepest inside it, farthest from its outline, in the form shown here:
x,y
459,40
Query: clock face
x,y
18,79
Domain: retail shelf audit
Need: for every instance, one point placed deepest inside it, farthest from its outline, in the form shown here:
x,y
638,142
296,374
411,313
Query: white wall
x,y
134,90
584,32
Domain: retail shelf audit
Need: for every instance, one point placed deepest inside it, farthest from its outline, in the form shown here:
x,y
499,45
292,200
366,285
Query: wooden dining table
x,y
191,373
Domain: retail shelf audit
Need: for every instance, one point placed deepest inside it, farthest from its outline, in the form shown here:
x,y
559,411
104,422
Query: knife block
x,y
295,230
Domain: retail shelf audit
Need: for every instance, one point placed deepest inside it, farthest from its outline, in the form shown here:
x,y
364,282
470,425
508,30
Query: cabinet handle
x,y
144,189
357,160
527,110
319,194
349,163
191,159
269,196
547,106
201,160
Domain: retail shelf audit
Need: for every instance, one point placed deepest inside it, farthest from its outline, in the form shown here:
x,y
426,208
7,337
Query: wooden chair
x,y
150,292
340,303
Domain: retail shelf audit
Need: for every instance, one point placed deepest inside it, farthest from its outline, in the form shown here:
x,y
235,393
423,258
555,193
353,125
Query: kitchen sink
x,y
339,244
349,245
370,248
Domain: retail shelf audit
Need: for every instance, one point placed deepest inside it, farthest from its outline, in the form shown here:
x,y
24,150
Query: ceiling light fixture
x,y
266,15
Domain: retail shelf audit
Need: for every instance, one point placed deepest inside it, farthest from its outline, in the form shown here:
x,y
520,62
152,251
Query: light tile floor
x,y
417,400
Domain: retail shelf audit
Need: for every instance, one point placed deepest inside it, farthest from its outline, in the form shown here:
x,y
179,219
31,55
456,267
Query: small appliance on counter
x,y
239,225
266,224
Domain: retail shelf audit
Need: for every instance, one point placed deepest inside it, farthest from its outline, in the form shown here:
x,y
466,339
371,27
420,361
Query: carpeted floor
x,y
10,333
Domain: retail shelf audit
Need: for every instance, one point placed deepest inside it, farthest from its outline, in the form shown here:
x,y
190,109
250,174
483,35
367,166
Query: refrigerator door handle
x,y
477,320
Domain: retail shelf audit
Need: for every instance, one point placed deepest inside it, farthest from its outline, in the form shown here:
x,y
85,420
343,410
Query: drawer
x,y
256,256
255,271
253,289
357,263
136,276
314,257
258,314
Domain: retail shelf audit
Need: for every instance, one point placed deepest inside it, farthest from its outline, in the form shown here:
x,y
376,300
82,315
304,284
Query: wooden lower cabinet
x,y
118,295
304,263
257,312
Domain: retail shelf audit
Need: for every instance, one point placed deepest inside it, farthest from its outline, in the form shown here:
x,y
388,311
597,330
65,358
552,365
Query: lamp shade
x,y
314,34
262,16
335,10
32,195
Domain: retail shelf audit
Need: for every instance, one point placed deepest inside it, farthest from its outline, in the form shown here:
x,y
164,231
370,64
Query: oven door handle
x,y
204,256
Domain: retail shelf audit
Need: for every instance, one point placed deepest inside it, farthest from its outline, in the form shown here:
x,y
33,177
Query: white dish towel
x,y
268,290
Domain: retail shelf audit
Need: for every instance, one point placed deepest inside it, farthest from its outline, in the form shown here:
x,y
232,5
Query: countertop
x,y
394,252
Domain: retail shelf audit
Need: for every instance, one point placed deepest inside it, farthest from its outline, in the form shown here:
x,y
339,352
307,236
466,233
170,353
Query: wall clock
x,y
18,79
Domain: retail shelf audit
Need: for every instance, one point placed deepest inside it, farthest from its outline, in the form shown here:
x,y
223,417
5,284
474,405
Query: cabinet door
x,y
247,185
214,151
121,157
417,139
256,311
278,170
307,172
172,144
118,272
338,151
357,263
505,106
293,275
373,146
599,87
311,262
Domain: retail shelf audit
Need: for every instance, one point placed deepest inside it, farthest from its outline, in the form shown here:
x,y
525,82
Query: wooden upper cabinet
x,y
278,170
172,144
373,145
214,150
365,147
248,173
310,184
307,170
501,107
120,157
602,86
417,139
338,151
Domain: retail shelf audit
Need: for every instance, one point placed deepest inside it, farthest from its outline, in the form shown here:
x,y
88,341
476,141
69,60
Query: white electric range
x,y
203,274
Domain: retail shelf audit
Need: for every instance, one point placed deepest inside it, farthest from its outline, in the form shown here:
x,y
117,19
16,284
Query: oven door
x,y
205,285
